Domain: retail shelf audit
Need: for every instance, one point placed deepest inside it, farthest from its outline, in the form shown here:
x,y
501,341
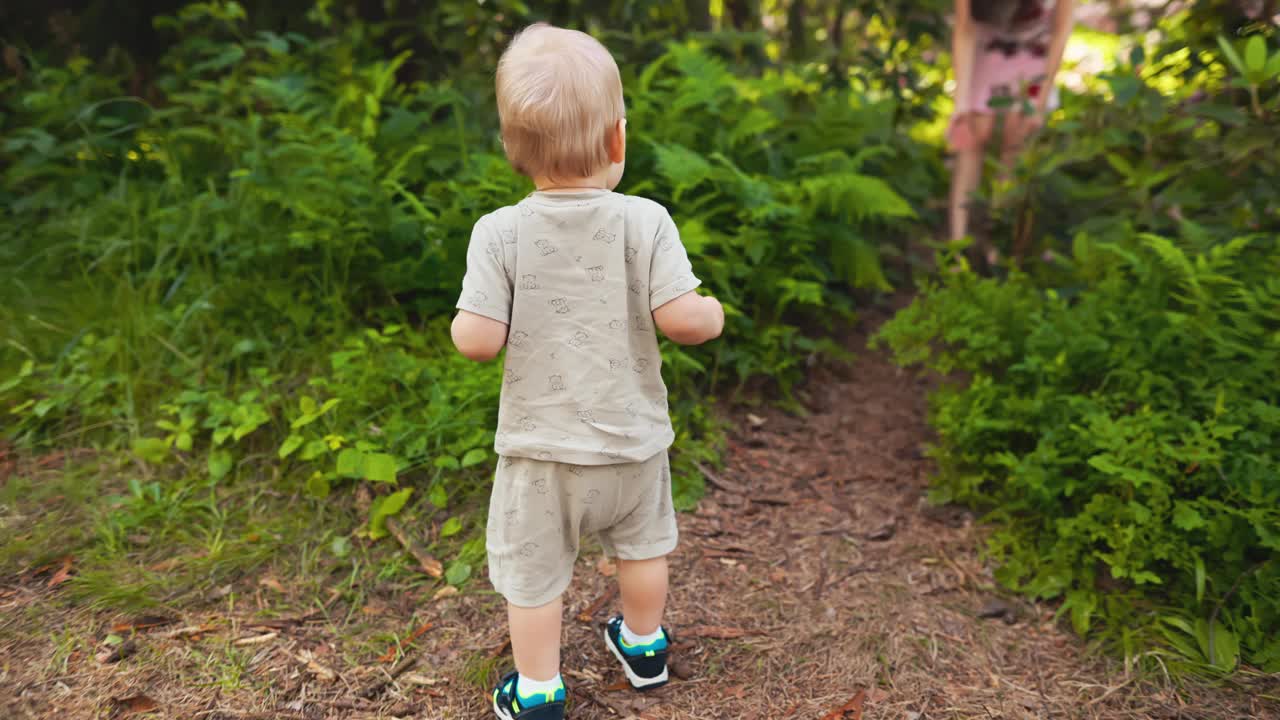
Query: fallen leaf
x,y
271,583
133,705
444,592
63,574
754,420
851,710
142,622
622,684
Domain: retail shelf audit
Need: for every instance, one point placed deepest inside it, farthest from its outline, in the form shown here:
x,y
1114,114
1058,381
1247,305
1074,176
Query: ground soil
x,y
830,591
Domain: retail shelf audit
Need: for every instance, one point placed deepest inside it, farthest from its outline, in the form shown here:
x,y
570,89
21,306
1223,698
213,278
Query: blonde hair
x,y
559,100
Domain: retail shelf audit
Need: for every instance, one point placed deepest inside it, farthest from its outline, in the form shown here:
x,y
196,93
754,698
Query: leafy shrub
x,y
197,277
1119,414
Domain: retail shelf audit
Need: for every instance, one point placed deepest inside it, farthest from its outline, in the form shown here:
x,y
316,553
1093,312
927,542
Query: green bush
x,y
1119,414
252,273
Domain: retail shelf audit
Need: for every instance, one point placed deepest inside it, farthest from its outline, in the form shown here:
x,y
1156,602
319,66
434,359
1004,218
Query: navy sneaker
x,y
510,704
645,665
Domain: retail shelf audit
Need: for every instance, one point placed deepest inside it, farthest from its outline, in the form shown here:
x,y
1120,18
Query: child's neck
x,y
595,182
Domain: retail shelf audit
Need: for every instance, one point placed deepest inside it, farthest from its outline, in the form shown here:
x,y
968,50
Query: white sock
x,y
631,638
528,687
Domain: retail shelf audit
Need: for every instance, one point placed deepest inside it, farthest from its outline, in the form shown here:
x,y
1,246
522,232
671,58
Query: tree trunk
x,y
745,14
797,33
699,13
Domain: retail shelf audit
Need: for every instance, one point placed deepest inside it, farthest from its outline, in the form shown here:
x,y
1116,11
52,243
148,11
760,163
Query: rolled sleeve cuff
x,y
493,313
672,290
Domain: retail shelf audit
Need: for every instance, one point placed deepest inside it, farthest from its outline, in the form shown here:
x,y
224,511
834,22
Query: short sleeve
x,y
486,288
670,273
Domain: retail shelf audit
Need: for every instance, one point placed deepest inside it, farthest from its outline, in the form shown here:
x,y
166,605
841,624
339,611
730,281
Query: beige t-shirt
x,y
577,277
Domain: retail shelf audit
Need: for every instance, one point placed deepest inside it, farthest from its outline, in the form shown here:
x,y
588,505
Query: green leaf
x,y
219,464
457,573
1186,517
350,462
318,486
152,450
379,467
1200,576
340,546
1230,54
438,496
474,456
1255,56
221,434
291,443
1272,71
451,527
314,449
383,508
445,462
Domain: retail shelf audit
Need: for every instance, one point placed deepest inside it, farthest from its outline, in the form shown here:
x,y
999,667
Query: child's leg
x,y
643,586
535,639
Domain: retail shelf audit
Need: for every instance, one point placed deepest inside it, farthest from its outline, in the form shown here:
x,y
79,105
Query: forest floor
x,y
830,591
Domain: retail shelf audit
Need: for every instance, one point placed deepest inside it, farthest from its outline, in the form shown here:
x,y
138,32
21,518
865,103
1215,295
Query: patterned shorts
x,y
539,510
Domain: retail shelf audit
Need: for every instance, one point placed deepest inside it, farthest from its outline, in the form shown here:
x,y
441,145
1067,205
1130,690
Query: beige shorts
x,y
539,510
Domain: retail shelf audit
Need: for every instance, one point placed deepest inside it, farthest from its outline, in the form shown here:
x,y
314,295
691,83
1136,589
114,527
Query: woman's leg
x,y
1017,128
967,171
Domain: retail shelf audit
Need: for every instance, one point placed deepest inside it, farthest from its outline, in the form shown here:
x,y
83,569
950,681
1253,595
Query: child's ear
x,y
618,142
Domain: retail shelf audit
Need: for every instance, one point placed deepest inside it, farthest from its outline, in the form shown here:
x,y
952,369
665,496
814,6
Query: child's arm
x,y
480,329
690,319
477,337
679,311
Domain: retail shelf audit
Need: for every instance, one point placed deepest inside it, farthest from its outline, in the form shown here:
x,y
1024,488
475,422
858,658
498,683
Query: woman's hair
x,y
999,13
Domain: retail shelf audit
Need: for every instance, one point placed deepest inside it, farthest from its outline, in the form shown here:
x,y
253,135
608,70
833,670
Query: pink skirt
x,y
1001,82
1018,77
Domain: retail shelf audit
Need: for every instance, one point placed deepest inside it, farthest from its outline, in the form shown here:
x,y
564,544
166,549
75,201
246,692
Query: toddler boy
x,y
573,280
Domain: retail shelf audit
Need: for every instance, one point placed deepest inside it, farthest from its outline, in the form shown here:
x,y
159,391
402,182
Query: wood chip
x,y
429,564
256,639
851,710
118,653
720,483
590,611
133,705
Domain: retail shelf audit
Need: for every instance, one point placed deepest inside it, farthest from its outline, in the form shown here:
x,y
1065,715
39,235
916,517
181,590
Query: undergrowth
x,y
239,286
1120,414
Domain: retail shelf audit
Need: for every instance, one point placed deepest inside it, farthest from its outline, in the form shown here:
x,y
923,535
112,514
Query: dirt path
x,y
830,592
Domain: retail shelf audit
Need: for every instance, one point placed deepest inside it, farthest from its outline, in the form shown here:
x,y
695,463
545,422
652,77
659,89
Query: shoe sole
x,y
637,682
